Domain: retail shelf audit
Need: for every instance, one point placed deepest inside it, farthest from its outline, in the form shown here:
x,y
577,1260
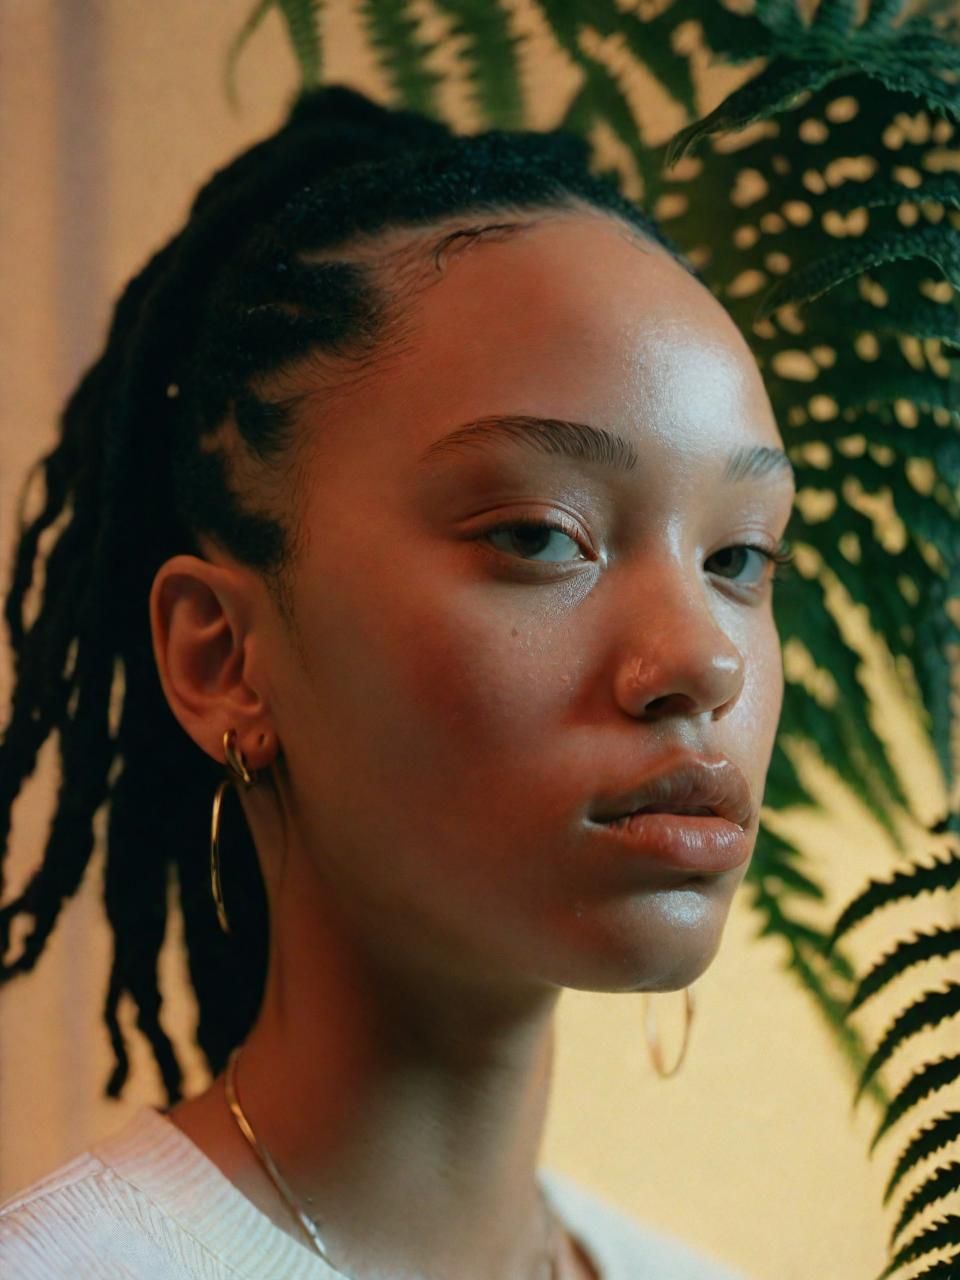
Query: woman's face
x,y
460,699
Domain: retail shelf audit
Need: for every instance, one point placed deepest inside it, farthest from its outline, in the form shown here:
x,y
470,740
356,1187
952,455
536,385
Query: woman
x,y
424,486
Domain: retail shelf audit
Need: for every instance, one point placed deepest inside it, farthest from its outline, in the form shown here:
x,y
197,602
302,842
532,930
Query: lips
x,y
684,783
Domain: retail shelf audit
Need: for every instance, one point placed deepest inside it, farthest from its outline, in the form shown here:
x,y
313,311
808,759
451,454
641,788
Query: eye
x,y
527,538
779,559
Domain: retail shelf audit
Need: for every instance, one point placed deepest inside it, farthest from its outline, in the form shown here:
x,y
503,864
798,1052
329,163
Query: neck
x,y
404,1112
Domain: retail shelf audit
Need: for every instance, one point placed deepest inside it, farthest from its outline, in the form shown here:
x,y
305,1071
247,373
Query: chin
x,y
659,941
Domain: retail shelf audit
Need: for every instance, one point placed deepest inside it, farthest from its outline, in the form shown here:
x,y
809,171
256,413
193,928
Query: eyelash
x,y
781,558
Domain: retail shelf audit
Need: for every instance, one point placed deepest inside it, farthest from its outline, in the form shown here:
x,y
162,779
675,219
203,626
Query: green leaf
x,y
776,87
940,1234
402,55
909,884
929,1010
807,962
940,245
489,51
253,20
921,947
882,13
302,19
835,17
842,735
730,37
303,23
943,1182
783,18
882,190
651,41
943,1130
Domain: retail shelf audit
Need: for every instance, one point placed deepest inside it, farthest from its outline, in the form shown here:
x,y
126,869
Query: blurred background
x,y
112,112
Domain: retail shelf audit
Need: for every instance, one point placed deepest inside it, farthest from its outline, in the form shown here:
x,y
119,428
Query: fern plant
x,y
821,202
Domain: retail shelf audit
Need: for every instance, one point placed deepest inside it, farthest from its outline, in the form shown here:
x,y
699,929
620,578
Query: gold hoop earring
x,y
239,771
653,1042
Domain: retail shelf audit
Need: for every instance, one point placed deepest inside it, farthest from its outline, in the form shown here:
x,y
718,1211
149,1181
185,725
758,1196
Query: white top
x,y
145,1203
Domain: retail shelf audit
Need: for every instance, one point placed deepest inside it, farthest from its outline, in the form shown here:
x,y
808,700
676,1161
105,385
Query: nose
x,y
677,660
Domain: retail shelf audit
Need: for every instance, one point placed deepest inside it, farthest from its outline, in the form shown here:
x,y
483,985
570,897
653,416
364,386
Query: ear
x,y
201,615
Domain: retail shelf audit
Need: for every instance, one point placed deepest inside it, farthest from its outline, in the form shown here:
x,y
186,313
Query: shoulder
x,y
621,1245
144,1203
83,1220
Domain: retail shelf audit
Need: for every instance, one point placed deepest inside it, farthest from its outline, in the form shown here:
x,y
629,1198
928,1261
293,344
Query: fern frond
x,y
943,1182
911,59
805,960
921,947
776,88
940,245
922,1084
650,40
729,37
840,736
883,190
490,53
607,99
835,18
783,788
907,884
394,37
929,1010
303,25
237,44
783,19
939,1235
881,13
302,19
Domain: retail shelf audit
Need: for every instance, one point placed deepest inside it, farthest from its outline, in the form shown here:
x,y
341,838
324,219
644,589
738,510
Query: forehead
x,y
573,317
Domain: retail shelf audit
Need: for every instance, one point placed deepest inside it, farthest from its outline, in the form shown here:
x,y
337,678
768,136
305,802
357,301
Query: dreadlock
x,y
201,340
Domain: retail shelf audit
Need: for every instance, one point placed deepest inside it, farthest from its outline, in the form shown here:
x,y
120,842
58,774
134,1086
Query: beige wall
x,y
112,112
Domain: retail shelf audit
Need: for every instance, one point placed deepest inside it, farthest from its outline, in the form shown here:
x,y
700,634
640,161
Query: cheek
x,y
435,768
761,700
436,694
473,692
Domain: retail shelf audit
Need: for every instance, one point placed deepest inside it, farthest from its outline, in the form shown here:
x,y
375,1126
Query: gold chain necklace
x,y
551,1254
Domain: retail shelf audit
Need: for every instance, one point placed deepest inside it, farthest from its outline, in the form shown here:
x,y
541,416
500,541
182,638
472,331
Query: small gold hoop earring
x,y
238,767
653,1041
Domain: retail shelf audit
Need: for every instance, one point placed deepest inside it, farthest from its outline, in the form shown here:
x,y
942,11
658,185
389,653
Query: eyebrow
x,y
583,443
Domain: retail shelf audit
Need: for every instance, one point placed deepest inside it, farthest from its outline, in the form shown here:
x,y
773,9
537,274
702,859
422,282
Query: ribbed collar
x,y
153,1154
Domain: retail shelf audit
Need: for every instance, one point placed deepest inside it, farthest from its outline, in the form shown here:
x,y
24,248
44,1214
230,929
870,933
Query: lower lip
x,y
696,843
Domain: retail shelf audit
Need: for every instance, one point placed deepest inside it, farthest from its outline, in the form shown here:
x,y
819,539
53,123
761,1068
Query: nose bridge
x,y
676,657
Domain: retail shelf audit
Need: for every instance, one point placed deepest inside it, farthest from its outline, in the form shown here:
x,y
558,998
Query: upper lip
x,y
685,782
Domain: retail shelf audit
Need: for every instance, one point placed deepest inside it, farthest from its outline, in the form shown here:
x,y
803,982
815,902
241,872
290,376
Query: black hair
x,y
284,258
